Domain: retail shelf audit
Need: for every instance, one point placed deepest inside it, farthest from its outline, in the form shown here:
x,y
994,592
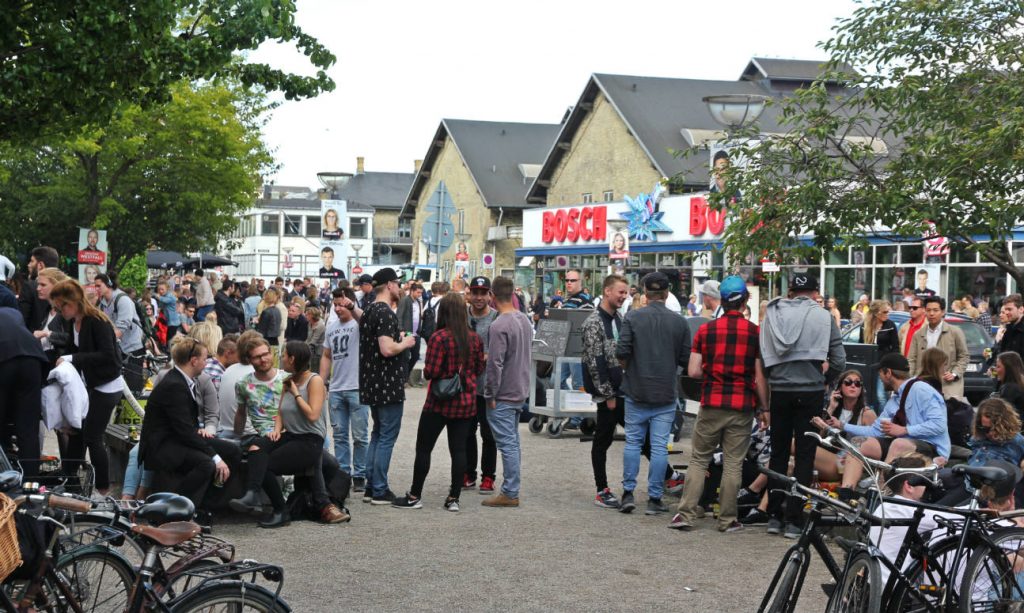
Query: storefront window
x,y
885,255
889,283
982,282
846,285
647,260
838,257
911,254
960,253
1018,251
860,256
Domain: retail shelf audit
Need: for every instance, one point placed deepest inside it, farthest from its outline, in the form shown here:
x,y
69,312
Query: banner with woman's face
x,y
333,240
92,254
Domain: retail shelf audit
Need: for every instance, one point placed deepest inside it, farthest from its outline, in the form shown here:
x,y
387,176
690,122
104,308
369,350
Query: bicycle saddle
x,y
9,480
166,507
983,475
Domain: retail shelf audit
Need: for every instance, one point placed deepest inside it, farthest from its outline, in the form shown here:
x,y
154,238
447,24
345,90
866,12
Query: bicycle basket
x,y
10,552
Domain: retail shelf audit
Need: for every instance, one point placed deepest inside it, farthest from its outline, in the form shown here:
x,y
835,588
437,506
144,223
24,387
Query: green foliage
x,y
175,176
64,64
939,83
134,273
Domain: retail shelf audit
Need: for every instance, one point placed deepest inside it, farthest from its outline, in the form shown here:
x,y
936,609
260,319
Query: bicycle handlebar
x,y
56,501
859,513
835,439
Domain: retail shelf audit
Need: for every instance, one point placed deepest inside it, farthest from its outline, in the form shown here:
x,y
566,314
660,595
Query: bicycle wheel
x,y
928,579
782,594
230,597
860,587
994,576
99,578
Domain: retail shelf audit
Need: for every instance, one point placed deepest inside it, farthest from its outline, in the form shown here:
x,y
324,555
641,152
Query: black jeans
x,y
324,474
21,380
195,466
791,414
90,437
488,450
429,429
288,455
604,435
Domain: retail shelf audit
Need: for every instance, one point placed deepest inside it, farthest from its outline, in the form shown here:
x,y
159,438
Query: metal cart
x,y
557,350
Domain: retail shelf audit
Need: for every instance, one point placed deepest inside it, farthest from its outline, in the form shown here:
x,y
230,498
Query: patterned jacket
x,y
602,374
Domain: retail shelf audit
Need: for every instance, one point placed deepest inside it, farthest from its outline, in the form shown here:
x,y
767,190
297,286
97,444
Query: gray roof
x,y
785,70
492,152
380,190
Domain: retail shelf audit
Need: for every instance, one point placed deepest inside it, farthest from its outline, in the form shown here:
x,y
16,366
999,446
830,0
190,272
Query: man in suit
x,y
410,313
171,437
33,309
939,333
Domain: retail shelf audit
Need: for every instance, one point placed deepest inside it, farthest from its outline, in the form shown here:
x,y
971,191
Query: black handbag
x,y
448,387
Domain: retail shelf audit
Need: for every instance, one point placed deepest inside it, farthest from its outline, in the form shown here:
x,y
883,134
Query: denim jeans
x,y
135,475
346,411
504,421
639,419
387,422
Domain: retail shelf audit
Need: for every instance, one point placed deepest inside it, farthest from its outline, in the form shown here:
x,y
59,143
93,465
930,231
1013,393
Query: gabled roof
x,y
380,190
499,156
775,69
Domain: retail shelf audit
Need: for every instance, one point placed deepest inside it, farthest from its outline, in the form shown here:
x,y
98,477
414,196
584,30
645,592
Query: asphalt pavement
x,y
556,552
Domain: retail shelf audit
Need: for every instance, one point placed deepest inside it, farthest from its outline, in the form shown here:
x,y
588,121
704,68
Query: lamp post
x,y
334,181
356,248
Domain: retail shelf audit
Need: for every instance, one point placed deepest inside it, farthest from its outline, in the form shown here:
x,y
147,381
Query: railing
x,y
392,238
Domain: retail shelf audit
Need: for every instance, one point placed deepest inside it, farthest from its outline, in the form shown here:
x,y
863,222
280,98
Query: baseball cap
x,y
732,288
481,282
656,281
365,279
804,282
382,276
893,361
711,289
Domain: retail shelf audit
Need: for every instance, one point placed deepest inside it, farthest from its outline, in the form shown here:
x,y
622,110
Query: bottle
x,y
133,434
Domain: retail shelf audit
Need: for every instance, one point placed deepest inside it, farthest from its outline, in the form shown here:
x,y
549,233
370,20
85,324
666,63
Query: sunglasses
x,y
914,308
572,280
853,382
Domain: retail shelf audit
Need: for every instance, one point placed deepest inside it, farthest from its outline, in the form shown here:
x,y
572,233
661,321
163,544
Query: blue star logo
x,y
643,217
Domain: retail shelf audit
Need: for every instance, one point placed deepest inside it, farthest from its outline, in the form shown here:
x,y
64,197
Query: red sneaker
x,y
468,483
487,485
674,487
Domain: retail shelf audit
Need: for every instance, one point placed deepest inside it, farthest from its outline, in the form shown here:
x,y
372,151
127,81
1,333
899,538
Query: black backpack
x,y
959,418
428,321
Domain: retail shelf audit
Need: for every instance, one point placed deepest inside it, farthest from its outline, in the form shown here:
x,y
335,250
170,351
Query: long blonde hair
x,y
208,334
872,324
70,291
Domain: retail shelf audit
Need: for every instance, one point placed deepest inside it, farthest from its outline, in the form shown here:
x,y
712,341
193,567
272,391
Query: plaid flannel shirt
x,y
441,362
729,347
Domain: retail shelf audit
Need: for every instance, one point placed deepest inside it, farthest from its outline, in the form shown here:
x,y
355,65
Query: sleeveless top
x,y
294,420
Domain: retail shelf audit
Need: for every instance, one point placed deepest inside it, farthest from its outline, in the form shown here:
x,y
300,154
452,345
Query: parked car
x,y
978,385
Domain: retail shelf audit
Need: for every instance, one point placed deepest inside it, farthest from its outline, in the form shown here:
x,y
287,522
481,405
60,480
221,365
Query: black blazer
x,y
96,355
15,339
172,414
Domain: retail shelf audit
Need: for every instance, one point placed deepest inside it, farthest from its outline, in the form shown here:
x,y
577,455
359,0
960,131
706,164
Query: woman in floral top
x,y
453,350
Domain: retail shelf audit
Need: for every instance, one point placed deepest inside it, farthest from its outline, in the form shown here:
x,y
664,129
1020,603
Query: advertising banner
x,y
333,240
92,254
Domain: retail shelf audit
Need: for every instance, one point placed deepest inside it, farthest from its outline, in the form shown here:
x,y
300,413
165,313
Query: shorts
x,y
923,447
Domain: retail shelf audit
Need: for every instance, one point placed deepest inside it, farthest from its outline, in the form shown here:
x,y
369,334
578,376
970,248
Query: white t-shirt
x,y
342,340
227,403
672,303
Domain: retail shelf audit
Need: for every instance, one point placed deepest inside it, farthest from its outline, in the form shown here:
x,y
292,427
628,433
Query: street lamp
x,y
735,111
334,181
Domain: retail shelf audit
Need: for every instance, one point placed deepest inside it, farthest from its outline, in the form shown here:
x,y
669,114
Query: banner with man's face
x,y
92,254
333,240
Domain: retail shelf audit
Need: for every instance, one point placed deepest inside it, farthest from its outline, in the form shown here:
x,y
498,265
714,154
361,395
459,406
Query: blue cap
x,y
732,288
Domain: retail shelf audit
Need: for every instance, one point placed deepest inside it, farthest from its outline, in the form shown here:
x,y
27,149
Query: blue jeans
x,y
346,411
639,419
504,421
202,312
387,421
135,475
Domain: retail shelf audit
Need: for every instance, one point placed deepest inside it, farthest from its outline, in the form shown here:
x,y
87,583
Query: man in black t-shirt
x,y
382,380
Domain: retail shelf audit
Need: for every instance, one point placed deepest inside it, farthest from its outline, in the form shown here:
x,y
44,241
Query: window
x,y
405,228
293,225
609,195
587,197
269,224
358,227
312,225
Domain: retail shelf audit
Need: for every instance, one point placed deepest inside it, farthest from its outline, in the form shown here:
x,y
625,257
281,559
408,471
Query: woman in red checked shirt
x,y
453,350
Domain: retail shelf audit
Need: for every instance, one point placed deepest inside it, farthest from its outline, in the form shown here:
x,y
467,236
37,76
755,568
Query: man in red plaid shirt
x,y
726,355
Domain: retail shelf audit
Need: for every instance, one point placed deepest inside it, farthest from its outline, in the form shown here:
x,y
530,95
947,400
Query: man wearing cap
x,y
382,381
711,295
727,359
365,291
914,419
481,316
652,344
121,310
802,351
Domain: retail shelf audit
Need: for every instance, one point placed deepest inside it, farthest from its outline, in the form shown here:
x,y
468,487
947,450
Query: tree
x,y
64,64
931,130
176,176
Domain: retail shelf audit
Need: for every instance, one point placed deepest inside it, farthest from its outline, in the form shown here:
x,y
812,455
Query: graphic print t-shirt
x,y
342,340
261,399
381,379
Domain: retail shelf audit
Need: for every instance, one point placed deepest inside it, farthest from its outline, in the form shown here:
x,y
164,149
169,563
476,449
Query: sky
x,y
404,65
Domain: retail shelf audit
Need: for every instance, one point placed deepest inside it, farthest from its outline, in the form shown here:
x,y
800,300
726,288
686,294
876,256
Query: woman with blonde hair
x,y
55,335
879,330
94,353
208,334
270,321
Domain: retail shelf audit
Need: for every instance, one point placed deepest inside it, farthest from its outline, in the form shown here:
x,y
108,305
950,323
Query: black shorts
x,y
923,447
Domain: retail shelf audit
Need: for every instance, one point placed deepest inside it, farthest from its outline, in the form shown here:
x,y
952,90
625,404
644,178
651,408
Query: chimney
x,y
359,165
416,165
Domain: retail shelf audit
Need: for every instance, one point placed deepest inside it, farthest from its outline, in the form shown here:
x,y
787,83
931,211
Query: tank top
x,y
294,420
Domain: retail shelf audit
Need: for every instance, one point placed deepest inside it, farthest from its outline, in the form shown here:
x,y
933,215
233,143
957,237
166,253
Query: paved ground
x,y
557,552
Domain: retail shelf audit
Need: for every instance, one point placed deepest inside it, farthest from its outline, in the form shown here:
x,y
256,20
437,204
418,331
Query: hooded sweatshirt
x,y
796,338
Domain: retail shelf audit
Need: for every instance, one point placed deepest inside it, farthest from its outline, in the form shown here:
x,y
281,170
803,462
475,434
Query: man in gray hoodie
x,y
802,352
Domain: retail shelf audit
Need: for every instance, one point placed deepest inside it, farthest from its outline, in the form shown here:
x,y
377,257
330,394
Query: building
x,y
467,199
384,193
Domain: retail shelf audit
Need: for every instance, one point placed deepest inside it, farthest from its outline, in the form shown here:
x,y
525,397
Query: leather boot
x,y
249,503
276,520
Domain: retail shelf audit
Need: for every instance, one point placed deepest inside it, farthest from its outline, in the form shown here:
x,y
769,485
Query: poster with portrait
x,y
460,269
927,281
92,254
618,244
333,240
723,157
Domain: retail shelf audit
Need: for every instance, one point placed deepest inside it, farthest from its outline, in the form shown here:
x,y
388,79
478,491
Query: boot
x,y
276,520
249,503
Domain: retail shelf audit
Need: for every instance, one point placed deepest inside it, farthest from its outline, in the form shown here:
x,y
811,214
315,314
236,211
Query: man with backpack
x,y
124,314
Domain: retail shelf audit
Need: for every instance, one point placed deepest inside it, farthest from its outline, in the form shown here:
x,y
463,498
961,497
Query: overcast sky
x,y
404,65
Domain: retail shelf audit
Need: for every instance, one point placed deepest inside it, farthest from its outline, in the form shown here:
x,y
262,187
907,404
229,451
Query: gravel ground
x,y
556,552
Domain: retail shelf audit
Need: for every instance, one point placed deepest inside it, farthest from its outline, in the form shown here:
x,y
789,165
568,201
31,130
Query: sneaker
x,y
386,498
468,483
452,504
331,514
358,484
733,526
628,504
792,531
487,485
500,500
774,526
367,495
748,498
606,499
406,502
755,517
678,523
674,487
655,507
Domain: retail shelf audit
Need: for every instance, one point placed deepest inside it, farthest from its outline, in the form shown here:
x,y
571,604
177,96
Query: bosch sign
x,y
588,223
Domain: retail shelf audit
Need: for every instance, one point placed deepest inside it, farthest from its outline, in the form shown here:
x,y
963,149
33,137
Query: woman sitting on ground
x,y
846,405
994,436
295,444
